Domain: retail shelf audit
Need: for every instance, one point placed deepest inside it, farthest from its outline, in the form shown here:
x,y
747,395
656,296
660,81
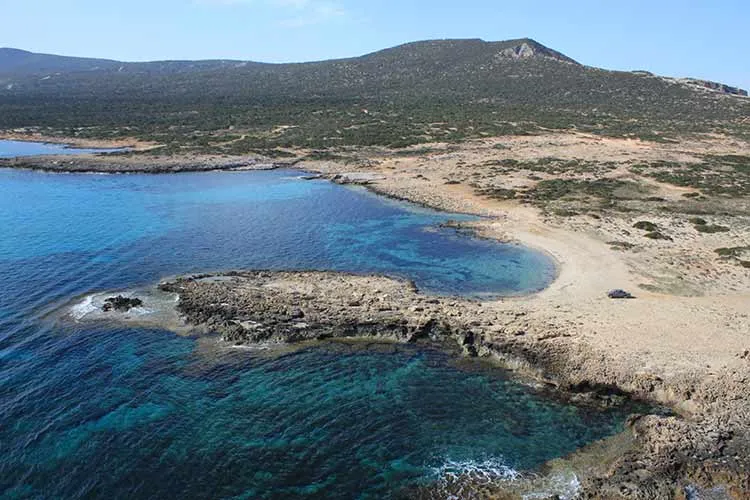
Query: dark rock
x,y
619,294
658,235
121,304
645,225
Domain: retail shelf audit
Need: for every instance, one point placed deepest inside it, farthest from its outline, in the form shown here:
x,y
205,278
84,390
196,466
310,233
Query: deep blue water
x,y
103,411
10,149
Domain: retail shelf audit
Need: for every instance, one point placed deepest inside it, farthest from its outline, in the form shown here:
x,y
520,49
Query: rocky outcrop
x,y
278,307
142,163
714,86
121,304
671,456
358,178
527,48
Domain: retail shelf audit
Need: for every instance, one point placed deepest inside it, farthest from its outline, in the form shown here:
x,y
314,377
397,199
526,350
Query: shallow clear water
x,y
12,149
90,410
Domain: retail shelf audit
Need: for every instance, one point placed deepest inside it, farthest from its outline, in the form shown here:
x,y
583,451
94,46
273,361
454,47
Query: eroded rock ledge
x,y
284,307
708,447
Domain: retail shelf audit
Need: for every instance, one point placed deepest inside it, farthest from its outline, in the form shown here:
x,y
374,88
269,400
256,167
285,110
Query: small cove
x,y
107,410
14,149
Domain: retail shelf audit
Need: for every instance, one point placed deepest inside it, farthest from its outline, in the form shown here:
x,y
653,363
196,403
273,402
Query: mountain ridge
x,y
433,90
20,61
15,59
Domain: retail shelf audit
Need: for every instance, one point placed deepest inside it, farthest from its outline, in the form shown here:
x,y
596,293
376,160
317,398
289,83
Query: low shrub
x,y
711,228
732,252
563,212
656,235
645,225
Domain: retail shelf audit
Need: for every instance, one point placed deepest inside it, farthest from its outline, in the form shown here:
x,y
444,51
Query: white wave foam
x,y
481,472
141,311
256,347
84,308
564,486
461,479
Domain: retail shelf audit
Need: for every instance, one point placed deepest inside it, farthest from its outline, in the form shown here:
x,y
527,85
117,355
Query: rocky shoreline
x,y
683,342
672,456
115,163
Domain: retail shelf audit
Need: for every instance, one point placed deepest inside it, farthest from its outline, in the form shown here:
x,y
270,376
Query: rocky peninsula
x,y
703,446
683,341
115,163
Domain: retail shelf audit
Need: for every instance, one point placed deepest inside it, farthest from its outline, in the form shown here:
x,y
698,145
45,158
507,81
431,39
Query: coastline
x,y
688,351
267,308
104,163
132,143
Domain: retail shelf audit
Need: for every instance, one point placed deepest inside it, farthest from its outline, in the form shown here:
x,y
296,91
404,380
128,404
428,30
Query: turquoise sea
x,y
12,149
104,411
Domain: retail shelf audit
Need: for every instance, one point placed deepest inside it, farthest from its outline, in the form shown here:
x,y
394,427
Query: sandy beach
x,y
684,341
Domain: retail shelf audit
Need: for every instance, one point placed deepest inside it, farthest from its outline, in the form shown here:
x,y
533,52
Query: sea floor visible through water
x,y
14,149
99,410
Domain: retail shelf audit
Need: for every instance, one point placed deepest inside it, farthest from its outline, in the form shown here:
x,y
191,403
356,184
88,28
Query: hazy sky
x,y
706,39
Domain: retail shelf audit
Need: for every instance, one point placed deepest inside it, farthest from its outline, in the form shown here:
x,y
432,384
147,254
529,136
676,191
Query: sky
x,y
704,39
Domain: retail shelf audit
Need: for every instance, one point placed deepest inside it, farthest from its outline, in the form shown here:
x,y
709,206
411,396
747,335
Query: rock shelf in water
x,y
670,456
260,306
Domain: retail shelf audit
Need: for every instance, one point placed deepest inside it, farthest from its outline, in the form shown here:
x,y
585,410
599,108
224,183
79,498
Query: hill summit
x,y
17,61
434,90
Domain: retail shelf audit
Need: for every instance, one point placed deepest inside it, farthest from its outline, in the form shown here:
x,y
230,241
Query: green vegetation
x,y
428,91
711,228
498,193
733,252
555,189
702,226
563,212
552,166
727,175
646,226
657,235
620,245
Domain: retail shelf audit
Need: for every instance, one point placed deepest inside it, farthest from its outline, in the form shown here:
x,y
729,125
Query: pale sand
x,y
684,341
697,326
670,336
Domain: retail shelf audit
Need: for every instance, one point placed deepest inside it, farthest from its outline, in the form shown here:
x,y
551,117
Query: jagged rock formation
x,y
528,48
121,304
715,86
